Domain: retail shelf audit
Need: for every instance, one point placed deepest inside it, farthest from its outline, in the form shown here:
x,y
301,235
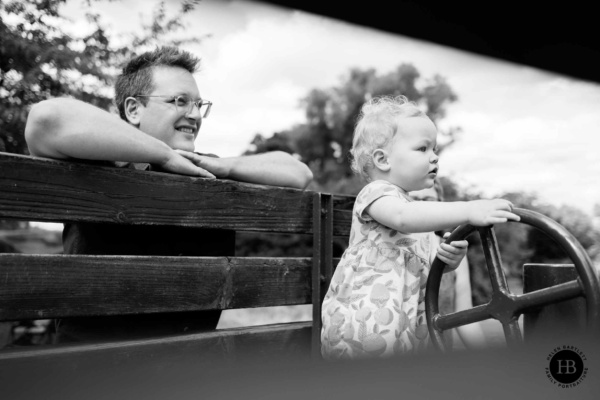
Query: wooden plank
x,y
342,214
343,202
50,286
342,222
321,276
200,350
317,274
37,189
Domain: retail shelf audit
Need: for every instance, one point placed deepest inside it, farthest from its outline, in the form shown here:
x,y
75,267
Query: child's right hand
x,y
489,212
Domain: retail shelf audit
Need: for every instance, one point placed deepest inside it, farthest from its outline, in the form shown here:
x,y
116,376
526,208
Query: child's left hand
x,y
452,253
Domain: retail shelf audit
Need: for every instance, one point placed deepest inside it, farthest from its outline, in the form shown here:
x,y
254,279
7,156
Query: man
x,y
161,113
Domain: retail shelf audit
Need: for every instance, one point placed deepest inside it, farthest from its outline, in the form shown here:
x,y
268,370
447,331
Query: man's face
x,y
160,117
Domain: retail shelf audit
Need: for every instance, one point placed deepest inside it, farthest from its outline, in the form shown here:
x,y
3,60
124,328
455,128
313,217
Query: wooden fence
x,y
38,286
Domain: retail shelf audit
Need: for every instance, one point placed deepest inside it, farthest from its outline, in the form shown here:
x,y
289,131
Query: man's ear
x,y
132,111
380,160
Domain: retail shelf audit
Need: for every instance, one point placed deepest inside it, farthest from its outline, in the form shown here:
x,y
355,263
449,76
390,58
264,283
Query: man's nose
x,y
194,112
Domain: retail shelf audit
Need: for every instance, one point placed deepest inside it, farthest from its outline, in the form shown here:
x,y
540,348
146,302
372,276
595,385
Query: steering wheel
x,y
505,306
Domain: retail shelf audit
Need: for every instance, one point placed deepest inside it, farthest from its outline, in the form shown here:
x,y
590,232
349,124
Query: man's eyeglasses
x,y
184,104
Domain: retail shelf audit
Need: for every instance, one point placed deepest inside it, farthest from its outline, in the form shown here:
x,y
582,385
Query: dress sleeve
x,y
372,192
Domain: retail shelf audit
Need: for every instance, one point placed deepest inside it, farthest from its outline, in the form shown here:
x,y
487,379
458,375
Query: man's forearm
x,y
275,168
66,128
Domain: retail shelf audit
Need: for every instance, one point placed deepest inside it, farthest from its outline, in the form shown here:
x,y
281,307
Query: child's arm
x,y
427,216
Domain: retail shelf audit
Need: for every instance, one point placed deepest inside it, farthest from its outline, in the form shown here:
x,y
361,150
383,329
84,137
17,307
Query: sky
x,y
523,129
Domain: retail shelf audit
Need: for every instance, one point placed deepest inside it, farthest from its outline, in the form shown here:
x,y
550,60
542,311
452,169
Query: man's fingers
x,y
196,160
187,154
205,174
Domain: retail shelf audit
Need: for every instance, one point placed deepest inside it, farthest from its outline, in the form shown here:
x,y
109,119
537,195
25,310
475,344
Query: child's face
x,y
412,160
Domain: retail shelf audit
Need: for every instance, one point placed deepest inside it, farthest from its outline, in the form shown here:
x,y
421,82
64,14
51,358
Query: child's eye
x,y
436,149
423,149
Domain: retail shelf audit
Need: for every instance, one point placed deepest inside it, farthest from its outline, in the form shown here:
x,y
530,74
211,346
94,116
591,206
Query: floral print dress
x,y
375,303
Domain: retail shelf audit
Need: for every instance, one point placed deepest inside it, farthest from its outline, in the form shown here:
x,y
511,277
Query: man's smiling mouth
x,y
186,129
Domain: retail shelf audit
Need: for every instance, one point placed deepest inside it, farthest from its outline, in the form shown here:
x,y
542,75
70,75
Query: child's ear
x,y
380,160
132,111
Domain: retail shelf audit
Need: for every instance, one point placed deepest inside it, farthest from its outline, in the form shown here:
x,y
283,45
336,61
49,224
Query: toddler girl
x,y
375,303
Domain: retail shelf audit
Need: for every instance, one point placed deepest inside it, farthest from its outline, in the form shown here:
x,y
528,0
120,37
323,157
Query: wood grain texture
x,y
50,286
36,189
342,222
342,214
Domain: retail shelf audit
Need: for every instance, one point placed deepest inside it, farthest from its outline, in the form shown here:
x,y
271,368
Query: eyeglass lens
x,y
186,105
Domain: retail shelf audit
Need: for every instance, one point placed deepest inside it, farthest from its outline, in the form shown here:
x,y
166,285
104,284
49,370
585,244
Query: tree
x,y
324,140
38,60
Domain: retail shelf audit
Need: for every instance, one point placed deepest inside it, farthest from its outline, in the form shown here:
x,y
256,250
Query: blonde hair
x,y
376,126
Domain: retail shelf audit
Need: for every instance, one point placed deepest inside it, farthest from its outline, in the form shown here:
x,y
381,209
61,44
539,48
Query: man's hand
x,y
489,212
216,166
181,164
452,253
274,168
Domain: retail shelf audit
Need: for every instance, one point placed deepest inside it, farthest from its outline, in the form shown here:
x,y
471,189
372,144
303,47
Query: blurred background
x,y
286,79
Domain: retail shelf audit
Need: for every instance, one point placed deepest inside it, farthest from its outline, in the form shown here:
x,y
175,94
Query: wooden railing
x,y
38,286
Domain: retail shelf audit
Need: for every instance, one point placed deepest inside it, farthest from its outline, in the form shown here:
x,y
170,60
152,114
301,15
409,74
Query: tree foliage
x,y
40,60
324,140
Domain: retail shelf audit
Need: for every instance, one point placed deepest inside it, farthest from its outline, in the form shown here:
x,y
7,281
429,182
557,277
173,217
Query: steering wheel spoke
x,y
512,333
551,295
492,259
463,317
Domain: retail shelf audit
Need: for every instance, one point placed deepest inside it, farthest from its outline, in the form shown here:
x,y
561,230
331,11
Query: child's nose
x,y
434,159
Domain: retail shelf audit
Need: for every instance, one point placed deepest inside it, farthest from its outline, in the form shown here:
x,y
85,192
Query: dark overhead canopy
x,y
561,37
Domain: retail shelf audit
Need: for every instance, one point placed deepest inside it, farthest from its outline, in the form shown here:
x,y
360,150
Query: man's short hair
x,y
136,77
